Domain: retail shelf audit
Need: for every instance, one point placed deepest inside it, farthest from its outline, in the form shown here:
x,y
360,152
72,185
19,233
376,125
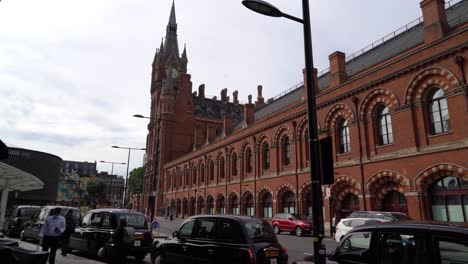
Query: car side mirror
x,y
175,234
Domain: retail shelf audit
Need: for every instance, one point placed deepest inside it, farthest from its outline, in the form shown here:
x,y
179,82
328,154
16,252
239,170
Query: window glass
x,y
229,232
402,248
86,219
357,222
186,229
26,212
452,251
347,223
206,229
356,242
439,213
96,219
134,220
454,208
43,214
106,222
259,230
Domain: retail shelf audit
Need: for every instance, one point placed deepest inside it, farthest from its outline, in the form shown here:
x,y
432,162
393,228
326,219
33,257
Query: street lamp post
x,y
112,172
124,200
267,9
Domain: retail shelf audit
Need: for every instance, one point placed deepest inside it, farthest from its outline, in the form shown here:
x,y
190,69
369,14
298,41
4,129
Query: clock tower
x,y
171,129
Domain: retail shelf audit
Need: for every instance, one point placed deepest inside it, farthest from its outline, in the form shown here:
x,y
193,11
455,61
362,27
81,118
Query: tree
x,y
96,190
135,180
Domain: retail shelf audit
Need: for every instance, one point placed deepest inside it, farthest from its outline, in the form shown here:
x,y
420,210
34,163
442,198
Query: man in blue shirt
x,y
51,230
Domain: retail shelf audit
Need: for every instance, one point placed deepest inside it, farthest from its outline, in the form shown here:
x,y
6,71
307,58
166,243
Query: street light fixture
x,y
267,9
124,200
112,172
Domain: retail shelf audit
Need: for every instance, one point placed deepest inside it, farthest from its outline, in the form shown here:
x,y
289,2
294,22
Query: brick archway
x,y
376,97
427,78
344,185
338,110
280,132
384,182
438,171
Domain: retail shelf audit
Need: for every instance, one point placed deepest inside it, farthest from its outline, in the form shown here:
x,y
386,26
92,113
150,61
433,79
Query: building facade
x,y
83,168
114,187
397,113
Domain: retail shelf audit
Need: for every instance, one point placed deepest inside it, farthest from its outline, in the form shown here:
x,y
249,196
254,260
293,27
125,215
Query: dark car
x,y
95,234
227,239
33,226
297,224
13,224
403,243
388,216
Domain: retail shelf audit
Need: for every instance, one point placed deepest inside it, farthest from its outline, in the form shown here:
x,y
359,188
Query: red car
x,y
295,223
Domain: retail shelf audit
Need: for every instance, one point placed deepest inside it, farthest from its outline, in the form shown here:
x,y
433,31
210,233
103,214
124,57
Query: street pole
x,y
110,185
126,181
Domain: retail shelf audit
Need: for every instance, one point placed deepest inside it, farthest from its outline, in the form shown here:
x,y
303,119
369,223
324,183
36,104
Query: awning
x,y
13,179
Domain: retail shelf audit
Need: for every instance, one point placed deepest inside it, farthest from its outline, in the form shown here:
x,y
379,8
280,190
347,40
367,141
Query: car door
x,y
177,251
36,225
229,242
91,232
450,248
202,243
355,248
76,239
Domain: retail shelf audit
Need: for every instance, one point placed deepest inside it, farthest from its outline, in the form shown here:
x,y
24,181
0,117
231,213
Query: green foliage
x,y
135,180
96,190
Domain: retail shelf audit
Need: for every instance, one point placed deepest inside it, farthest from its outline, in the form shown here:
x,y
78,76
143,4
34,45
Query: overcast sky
x,y
72,73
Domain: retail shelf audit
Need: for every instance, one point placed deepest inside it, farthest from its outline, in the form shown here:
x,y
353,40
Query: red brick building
x,y
397,112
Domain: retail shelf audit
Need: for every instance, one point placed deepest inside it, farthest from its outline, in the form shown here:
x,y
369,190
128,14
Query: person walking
x,y
333,226
69,229
120,247
50,232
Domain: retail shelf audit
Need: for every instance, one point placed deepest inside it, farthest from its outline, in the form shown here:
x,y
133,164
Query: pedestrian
x,y
50,232
333,226
69,229
120,247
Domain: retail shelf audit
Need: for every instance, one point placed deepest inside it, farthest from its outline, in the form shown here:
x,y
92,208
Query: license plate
x,y
271,254
137,243
138,236
273,261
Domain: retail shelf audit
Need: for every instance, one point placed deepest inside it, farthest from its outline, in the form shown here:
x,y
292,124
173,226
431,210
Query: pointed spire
x,y
162,44
184,53
172,18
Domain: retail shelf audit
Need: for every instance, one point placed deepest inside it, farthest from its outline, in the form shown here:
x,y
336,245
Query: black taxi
x,y
95,233
227,239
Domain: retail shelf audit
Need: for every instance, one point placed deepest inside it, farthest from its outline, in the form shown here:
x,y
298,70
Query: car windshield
x,y
134,220
300,216
76,213
26,212
402,217
258,230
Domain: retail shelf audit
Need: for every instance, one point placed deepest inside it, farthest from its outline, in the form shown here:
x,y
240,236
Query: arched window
x,y
234,164
221,205
210,204
384,123
450,200
194,176
249,205
221,167
235,205
211,170
286,147
289,203
350,203
267,205
202,173
343,130
248,160
438,111
266,156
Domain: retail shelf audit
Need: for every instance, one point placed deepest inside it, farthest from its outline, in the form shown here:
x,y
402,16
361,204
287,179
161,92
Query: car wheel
x,y
276,229
140,257
298,231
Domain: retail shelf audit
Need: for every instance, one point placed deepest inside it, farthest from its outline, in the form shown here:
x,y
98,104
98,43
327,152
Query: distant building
x,y
83,168
114,187
45,166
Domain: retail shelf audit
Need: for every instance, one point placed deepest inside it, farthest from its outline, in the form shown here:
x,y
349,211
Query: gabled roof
x,y
217,109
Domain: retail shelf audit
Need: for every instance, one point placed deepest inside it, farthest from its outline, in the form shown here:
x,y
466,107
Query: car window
x,y
359,241
229,232
452,251
135,220
96,219
106,221
26,212
347,222
43,214
402,217
258,230
205,229
402,248
86,219
389,218
356,222
186,229
299,216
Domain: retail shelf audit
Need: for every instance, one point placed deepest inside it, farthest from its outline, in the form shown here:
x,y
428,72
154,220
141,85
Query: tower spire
x,y
171,46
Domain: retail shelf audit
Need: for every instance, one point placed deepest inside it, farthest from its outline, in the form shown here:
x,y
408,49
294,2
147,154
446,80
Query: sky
x,y
72,73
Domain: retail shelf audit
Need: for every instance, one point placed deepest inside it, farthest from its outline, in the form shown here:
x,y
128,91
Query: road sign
x,y
155,224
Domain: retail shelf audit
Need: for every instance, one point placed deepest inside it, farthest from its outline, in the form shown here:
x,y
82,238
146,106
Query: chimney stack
x,y
223,95
201,93
260,101
249,110
337,68
227,125
435,19
234,97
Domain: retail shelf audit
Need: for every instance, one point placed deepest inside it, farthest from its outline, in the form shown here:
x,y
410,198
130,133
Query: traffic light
x,y
326,152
